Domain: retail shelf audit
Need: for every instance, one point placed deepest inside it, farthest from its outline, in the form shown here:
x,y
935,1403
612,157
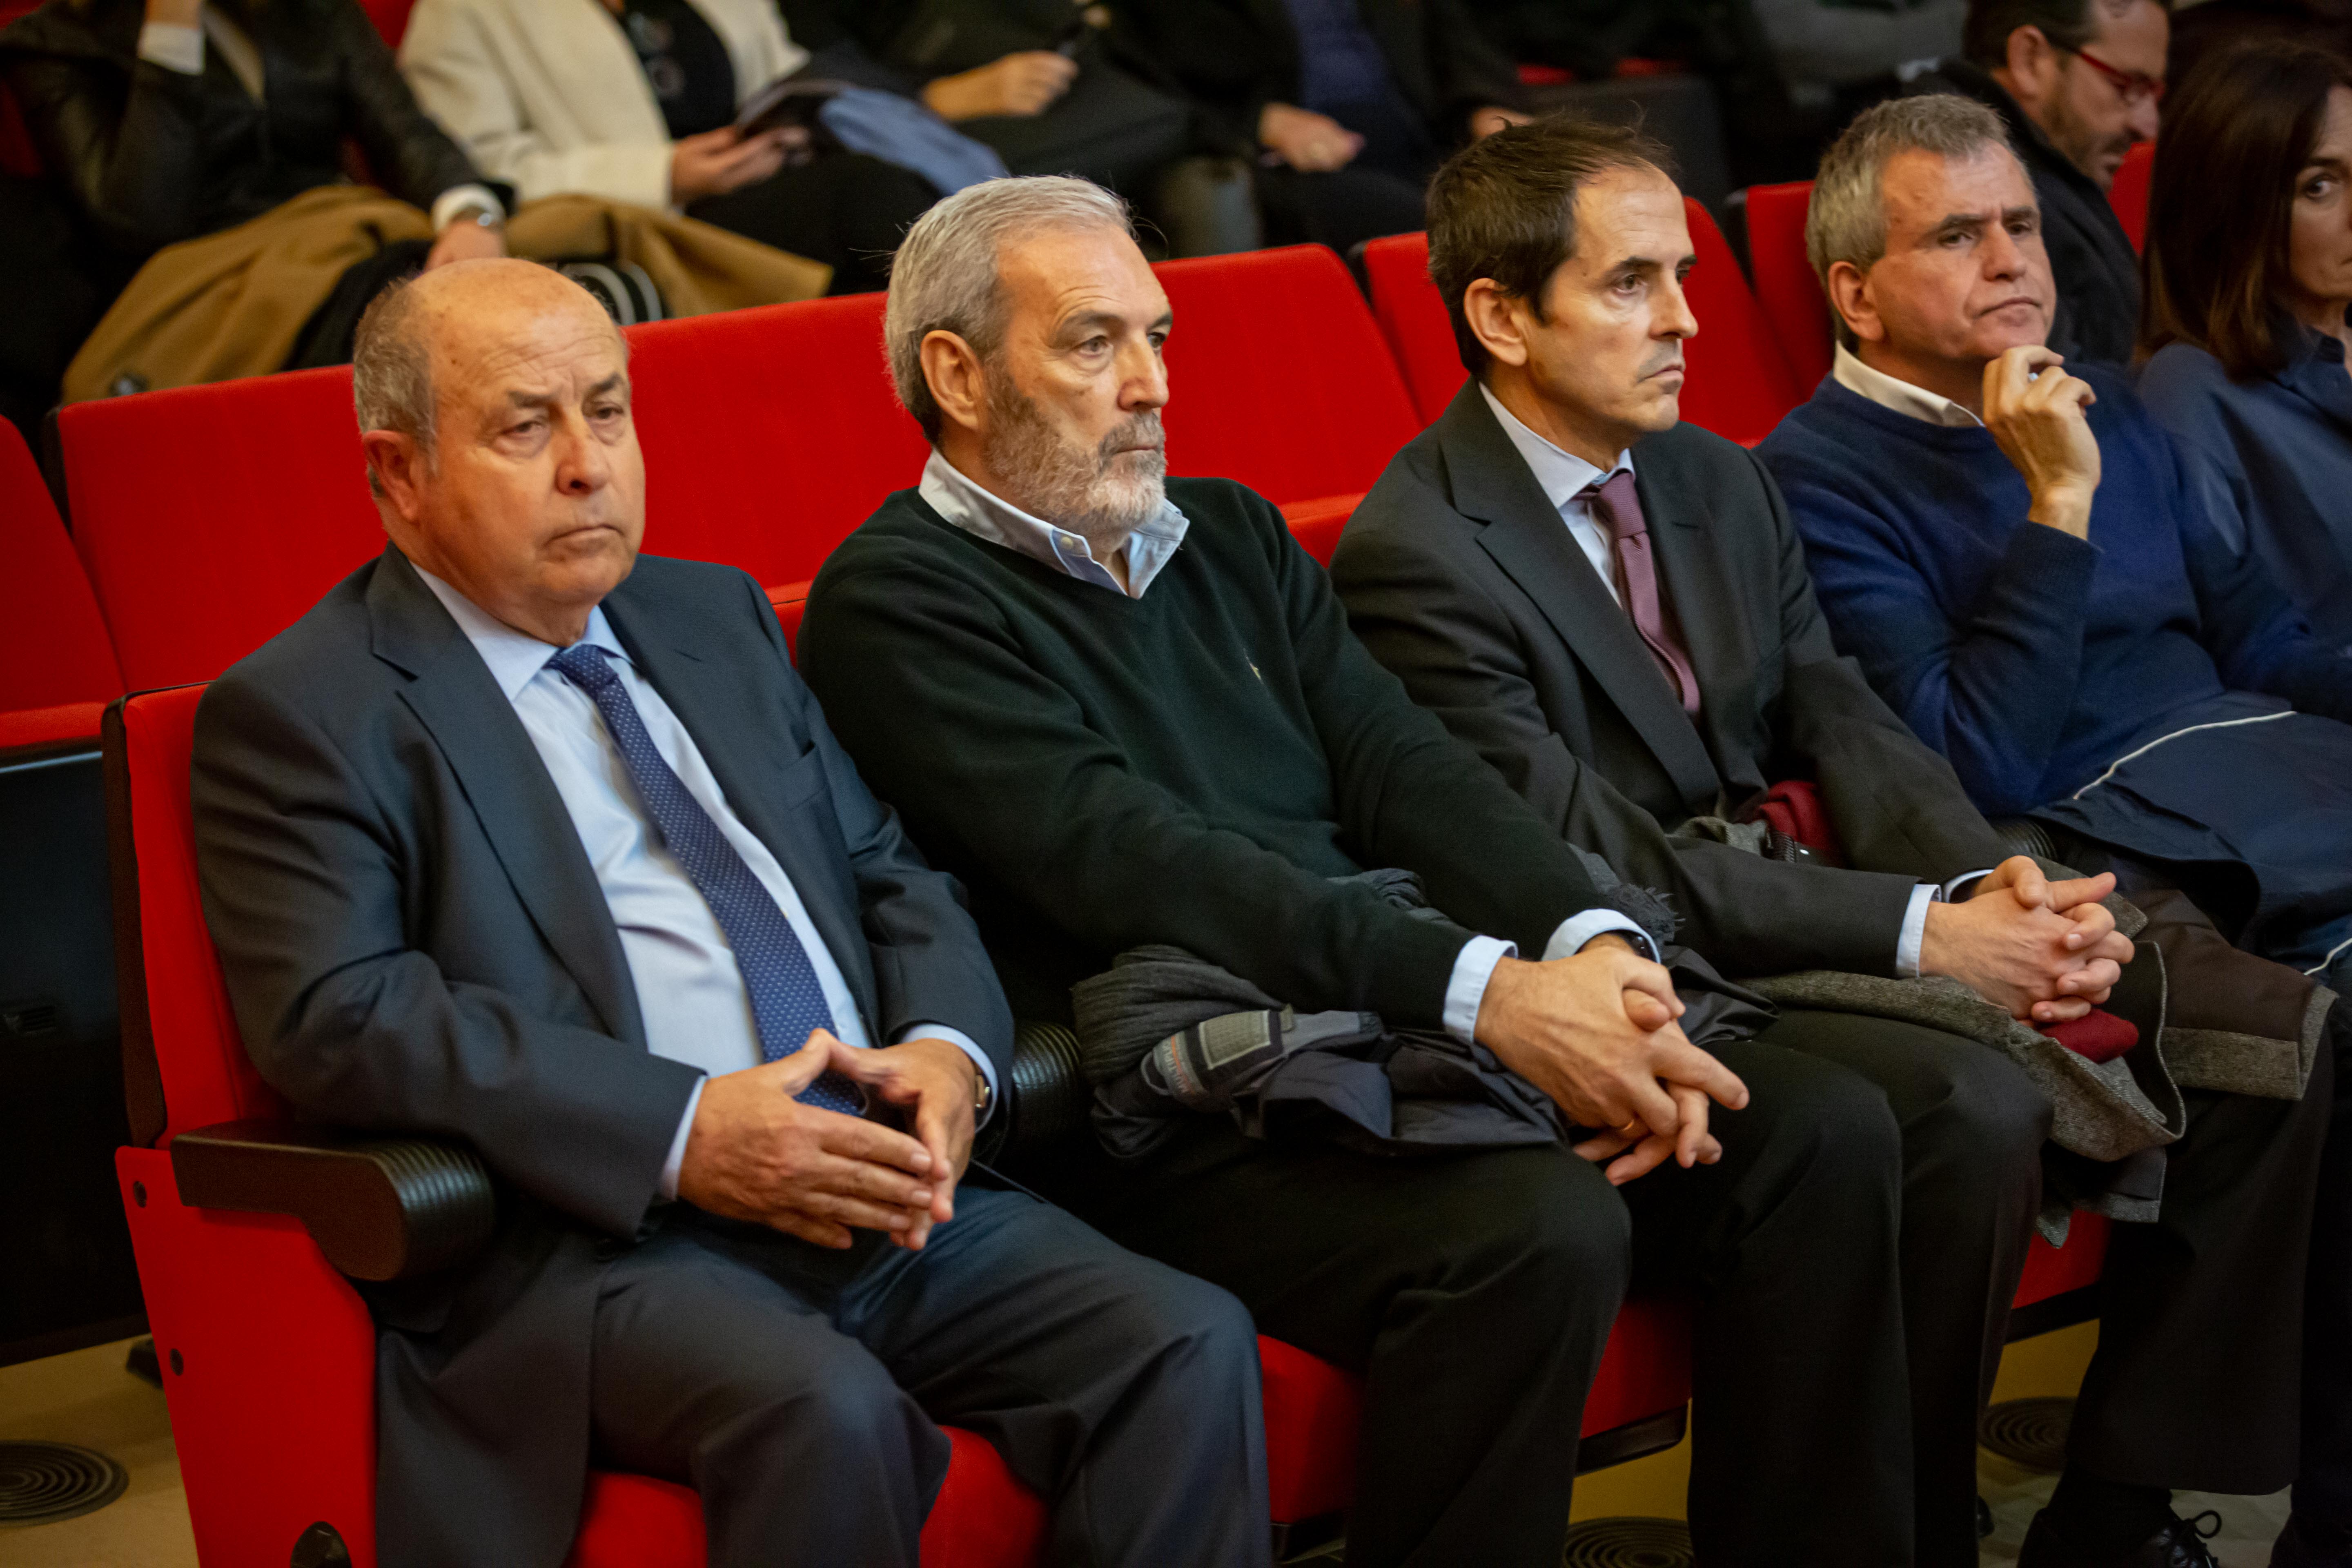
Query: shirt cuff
x,y
1915,930
1577,930
172,46
456,198
1963,885
970,1047
677,1144
1474,966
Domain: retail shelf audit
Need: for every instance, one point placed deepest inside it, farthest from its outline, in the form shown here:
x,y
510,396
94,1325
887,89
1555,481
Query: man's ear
x,y
1850,296
2029,66
1496,321
959,385
395,470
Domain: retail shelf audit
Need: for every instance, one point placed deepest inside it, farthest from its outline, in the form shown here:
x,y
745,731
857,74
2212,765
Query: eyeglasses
x,y
2135,88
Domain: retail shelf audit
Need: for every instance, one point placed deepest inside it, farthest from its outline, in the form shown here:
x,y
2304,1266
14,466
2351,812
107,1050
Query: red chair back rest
x,y
53,645
1278,377
212,517
173,994
1739,385
1785,284
2128,195
769,434
1412,318
390,16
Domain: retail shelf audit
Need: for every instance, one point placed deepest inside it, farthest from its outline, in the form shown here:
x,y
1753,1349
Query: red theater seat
x,y
2128,195
56,668
1739,384
1792,295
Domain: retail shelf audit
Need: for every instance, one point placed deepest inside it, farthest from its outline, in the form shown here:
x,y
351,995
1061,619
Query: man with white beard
x,y
1127,710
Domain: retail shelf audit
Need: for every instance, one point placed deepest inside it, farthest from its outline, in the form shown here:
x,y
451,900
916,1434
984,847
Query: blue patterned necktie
x,y
787,1002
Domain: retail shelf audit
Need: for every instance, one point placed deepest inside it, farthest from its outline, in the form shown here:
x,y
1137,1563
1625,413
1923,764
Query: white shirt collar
x,y
1900,395
1563,475
514,656
988,516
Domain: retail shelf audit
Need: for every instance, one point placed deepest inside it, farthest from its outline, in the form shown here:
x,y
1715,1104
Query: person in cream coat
x,y
635,100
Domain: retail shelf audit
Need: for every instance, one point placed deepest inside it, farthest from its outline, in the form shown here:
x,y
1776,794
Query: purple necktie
x,y
1617,507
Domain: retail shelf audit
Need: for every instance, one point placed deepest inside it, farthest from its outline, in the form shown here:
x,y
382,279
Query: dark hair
x,y
2222,199
1504,208
2069,24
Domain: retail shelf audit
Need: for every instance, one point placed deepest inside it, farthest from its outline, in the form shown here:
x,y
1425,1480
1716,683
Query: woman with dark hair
x,y
2247,276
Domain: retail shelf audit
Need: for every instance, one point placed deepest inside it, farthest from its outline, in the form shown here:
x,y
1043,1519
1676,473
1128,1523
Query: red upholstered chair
x,y
58,671
1739,384
1785,283
2128,195
390,16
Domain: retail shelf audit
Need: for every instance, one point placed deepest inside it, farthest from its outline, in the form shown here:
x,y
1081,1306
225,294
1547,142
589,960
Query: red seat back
x,y
1413,317
183,1061
2128,195
53,645
1785,284
390,16
1278,377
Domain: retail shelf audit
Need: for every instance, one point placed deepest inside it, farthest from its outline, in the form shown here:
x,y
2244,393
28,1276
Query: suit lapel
x,y
1526,537
530,830
747,751
1705,605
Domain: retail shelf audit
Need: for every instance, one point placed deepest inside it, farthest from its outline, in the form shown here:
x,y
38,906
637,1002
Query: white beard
x,y
1102,495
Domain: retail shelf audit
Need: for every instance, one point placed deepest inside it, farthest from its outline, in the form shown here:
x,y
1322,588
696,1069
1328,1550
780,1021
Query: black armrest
x,y
379,1208
1048,1100
2023,835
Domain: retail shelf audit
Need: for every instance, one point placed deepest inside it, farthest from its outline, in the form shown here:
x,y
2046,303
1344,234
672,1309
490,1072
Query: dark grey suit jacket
x,y
1459,574
414,940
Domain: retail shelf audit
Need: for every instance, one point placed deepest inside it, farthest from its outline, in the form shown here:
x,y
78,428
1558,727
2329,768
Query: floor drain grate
x,y
2029,1432
1629,1543
44,1481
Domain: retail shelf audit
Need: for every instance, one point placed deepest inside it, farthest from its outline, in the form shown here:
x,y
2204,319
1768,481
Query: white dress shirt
x,y
181,49
1887,392
1566,478
689,988
979,511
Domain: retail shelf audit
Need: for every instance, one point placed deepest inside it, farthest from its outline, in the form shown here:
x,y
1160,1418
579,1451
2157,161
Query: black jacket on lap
x,y
153,156
1189,767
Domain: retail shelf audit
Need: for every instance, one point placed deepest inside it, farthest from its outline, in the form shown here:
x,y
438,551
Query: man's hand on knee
x,y
754,1153
935,1082
2046,952
1597,1032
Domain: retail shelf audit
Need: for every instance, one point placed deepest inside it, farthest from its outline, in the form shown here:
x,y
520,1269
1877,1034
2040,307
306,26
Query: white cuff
x,y
677,1144
1472,967
456,198
172,46
1951,891
1914,935
1577,930
963,1043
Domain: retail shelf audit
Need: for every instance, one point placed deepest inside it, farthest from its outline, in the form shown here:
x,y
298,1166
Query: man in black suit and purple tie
x,y
521,838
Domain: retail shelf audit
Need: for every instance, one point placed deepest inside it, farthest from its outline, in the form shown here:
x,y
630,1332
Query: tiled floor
x,y
87,1398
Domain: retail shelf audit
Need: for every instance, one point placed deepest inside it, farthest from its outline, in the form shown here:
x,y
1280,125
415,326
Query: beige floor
x,y
87,1398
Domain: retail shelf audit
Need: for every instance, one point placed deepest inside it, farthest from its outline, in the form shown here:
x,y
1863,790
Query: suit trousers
x,y
797,1389
1973,1127
1474,1292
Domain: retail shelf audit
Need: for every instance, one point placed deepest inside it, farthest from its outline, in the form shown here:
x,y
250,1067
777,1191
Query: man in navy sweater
x,y
2117,673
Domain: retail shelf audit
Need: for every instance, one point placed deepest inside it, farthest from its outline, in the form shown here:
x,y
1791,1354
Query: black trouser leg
x,y
2323,1485
1474,1292
845,209
1973,1126
1797,1376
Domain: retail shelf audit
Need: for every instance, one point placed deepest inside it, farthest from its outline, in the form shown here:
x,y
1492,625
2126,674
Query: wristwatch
x,y
487,217
982,1096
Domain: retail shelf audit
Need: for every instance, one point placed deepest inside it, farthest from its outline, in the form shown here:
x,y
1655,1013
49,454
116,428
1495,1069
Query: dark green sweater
x,y
1188,767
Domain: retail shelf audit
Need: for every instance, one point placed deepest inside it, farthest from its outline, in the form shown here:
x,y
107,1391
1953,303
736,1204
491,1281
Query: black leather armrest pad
x,y
379,1208
1048,1100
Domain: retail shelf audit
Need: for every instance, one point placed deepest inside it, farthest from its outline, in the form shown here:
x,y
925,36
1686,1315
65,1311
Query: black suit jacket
x,y
415,941
1460,575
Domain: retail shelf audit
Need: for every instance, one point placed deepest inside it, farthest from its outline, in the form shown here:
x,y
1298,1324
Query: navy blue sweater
x,y
2030,658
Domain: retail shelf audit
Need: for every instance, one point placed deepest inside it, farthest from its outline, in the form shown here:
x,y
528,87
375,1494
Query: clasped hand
x,y
757,1153
2048,951
1597,1033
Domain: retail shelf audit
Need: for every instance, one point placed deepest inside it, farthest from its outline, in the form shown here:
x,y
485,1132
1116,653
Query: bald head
x,y
493,400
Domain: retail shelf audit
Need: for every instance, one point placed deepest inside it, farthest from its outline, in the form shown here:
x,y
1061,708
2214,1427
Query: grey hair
x,y
1846,220
392,373
946,277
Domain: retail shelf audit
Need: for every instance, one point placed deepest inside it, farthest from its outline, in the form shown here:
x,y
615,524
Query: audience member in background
x,y
1612,608
2249,277
523,838
2076,82
1127,710
1348,106
2210,25
2012,553
635,100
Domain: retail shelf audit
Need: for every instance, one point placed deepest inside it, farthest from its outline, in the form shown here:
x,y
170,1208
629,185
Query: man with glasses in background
x,y
2078,82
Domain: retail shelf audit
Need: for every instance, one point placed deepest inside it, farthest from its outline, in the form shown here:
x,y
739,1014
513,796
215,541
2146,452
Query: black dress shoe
x,y
2293,1550
2180,1544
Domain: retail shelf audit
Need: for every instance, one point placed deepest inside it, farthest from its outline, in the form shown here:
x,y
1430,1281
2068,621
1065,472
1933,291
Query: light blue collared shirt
x,y
689,988
991,517
1567,480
